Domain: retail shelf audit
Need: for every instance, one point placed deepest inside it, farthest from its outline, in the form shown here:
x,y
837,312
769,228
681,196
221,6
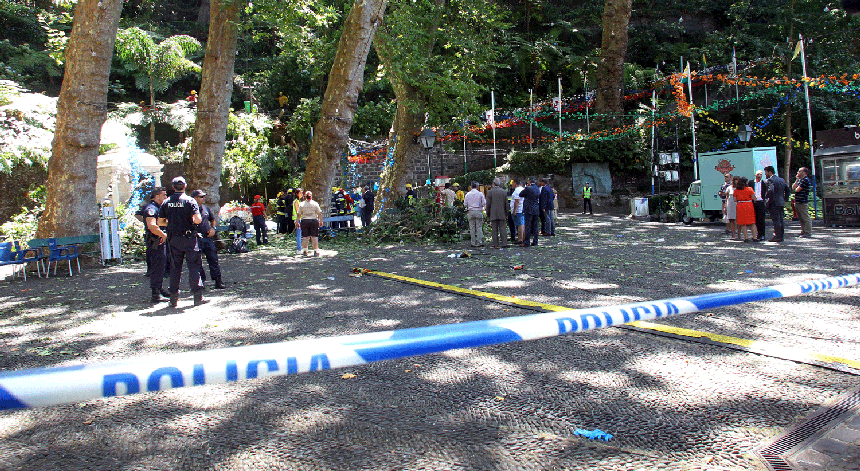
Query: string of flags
x,y
575,107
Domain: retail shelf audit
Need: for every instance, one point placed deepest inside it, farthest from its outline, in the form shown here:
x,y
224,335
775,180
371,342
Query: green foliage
x,y
23,225
104,148
373,119
484,177
289,47
22,64
425,220
463,53
131,234
247,149
20,23
8,90
155,66
305,116
26,128
250,159
665,203
545,160
166,152
555,158
57,27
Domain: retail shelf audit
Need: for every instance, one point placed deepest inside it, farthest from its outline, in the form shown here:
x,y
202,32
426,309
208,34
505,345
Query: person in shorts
x,y
310,219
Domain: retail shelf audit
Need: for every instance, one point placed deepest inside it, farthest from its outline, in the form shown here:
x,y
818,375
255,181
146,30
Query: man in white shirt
x,y
517,211
475,203
759,186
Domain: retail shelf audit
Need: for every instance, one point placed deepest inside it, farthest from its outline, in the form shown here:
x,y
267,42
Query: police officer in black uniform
x,y
156,244
281,212
288,201
207,241
181,215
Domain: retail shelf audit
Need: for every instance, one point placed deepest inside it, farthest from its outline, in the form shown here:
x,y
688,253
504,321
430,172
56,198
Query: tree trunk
x,y
407,120
71,205
213,105
151,113
341,97
410,113
610,66
203,14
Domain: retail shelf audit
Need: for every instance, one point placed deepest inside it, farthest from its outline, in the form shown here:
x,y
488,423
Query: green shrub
x,y
23,225
484,177
131,234
373,119
425,220
556,158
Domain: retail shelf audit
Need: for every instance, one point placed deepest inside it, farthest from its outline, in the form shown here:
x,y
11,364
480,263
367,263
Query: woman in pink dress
x,y
745,212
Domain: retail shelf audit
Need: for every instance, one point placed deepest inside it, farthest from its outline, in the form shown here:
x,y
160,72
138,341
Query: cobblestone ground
x,y
670,404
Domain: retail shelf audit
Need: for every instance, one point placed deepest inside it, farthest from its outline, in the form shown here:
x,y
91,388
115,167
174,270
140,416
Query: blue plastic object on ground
x,y
595,434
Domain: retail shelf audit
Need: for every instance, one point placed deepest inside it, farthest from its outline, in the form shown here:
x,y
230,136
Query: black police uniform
x,y
156,252
182,237
207,246
281,211
288,200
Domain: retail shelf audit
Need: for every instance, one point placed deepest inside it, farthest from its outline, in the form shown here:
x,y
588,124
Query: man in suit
x,y
497,203
759,186
777,194
547,221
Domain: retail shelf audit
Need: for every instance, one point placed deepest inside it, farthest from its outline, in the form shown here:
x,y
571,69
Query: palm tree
x,y
155,66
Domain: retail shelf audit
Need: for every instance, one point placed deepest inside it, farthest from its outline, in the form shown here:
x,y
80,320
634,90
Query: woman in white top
x,y
731,208
310,218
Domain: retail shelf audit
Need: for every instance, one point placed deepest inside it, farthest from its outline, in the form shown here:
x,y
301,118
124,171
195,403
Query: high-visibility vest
x,y
586,192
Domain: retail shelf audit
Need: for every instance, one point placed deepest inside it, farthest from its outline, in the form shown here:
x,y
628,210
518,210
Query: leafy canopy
x,y
155,66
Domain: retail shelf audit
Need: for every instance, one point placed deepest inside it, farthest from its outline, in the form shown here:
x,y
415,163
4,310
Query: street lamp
x,y
427,138
745,132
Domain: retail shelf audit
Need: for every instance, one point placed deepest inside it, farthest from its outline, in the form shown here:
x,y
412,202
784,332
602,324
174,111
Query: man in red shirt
x,y
258,214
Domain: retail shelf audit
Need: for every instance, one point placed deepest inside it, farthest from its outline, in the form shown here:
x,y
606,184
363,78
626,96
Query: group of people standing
x,y
179,228
296,210
745,203
529,210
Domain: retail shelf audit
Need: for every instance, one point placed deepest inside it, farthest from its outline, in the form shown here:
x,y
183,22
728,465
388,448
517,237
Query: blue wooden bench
x,y
332,231
91,242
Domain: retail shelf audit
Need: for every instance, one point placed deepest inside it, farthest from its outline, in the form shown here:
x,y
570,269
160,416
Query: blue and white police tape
x,y
51,386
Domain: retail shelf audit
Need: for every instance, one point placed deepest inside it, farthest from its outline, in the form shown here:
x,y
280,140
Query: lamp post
x,y
427,138
745,132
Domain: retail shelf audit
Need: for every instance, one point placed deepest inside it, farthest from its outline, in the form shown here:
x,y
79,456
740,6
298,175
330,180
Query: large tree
x,y
70,207
341,96
434,53
213,106
610,66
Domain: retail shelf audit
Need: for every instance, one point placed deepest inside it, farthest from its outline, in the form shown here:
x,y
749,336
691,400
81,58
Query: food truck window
x,y
841,170
829,171
696,189
852,171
